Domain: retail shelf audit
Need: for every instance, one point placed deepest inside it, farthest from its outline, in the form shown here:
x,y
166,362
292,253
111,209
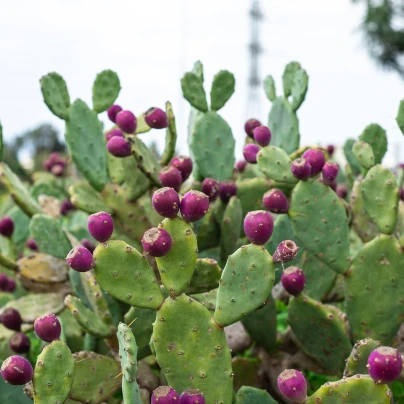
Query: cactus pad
x,y
222,89
358,359
171,136
299,88
364,154
206,276
84,197
252,395
376,137
105,90
193,91
269,87
55,94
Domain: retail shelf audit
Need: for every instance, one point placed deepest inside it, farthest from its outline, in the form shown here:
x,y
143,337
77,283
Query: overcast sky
x,y
150,44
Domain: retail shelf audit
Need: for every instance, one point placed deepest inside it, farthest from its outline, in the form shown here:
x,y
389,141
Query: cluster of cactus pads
x,y
132,277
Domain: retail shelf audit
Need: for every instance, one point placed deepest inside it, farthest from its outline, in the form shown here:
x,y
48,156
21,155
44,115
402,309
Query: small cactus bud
x,y
156,118
250,125
119,147
10,286
31,244
262,135
250,153
316,159
126,121
293,280
385,365
58,170
66,207
16,370
330,172
164,395
192,396
184,164
113,111
330,149
301,169
292,385
80,259
156,242
47,327
227,189
258,226
11,319
112,133
3,281
342,191
166,202
285,252
275,201
194,206
100,225
211,187
171,177
6,226
20,343
86,243
241,165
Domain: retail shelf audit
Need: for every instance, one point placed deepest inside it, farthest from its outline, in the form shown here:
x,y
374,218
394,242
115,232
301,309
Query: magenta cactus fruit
x,y
184,164
192,396
250,125
275,201
119,147
113,111
10,286
385,365
6,226
211,187
11,319
301,168
285,252
156,118
156,242
227,189
88,244
342,191
293,280
100,225
258,226
3,281
262,135
126,121
241,165
47,327
250,153
171,177
316,159
16,370
166,202
66,207
112,133
292,385
164,395
330,173
31,244
194,206
330,149
20,343
80,259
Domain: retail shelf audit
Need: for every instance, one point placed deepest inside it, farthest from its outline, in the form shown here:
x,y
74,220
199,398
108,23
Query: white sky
x,y
151,43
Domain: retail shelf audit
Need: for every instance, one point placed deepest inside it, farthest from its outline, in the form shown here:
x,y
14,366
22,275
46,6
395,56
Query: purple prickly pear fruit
x,y
3,281
86,243
292,385
285,252
65,207
57,170
47,327
316,159
342,191
241,165
275,201
258,226
113,111
16,370
330,172
10,286
156,118
227,189
171,177
250,125
112,133
293,280
100,225
262,135
192,396
211,187
31,244
250,153
156,242
301,169
184,164
119,147
11,319
164,395
6,226
80,259
385,365
330,149
126,121
194,206
20,343
402,194
166,202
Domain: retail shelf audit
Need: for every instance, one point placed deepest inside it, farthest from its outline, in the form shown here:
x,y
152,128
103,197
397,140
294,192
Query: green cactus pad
x,y
116,169
276,164
250,192
127,352
376,136
380,194
177,267
8,263
364,154
270,89
105,90
206,276
53,374
95,378
400,116
193,91
375,274
208,231
141,125
246,282
207,299
85,141
55,94
132,394
326,338
191,349
171,136
5,350
125,274
212,145
222,89
72,331
357,361
352,390
21,225
46,188
350,157
288,77
299,89
135,182
252,395
12,394
84,197
316,210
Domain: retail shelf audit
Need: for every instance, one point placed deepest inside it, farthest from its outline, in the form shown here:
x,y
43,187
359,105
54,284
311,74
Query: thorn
x,y
132,322
120,374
